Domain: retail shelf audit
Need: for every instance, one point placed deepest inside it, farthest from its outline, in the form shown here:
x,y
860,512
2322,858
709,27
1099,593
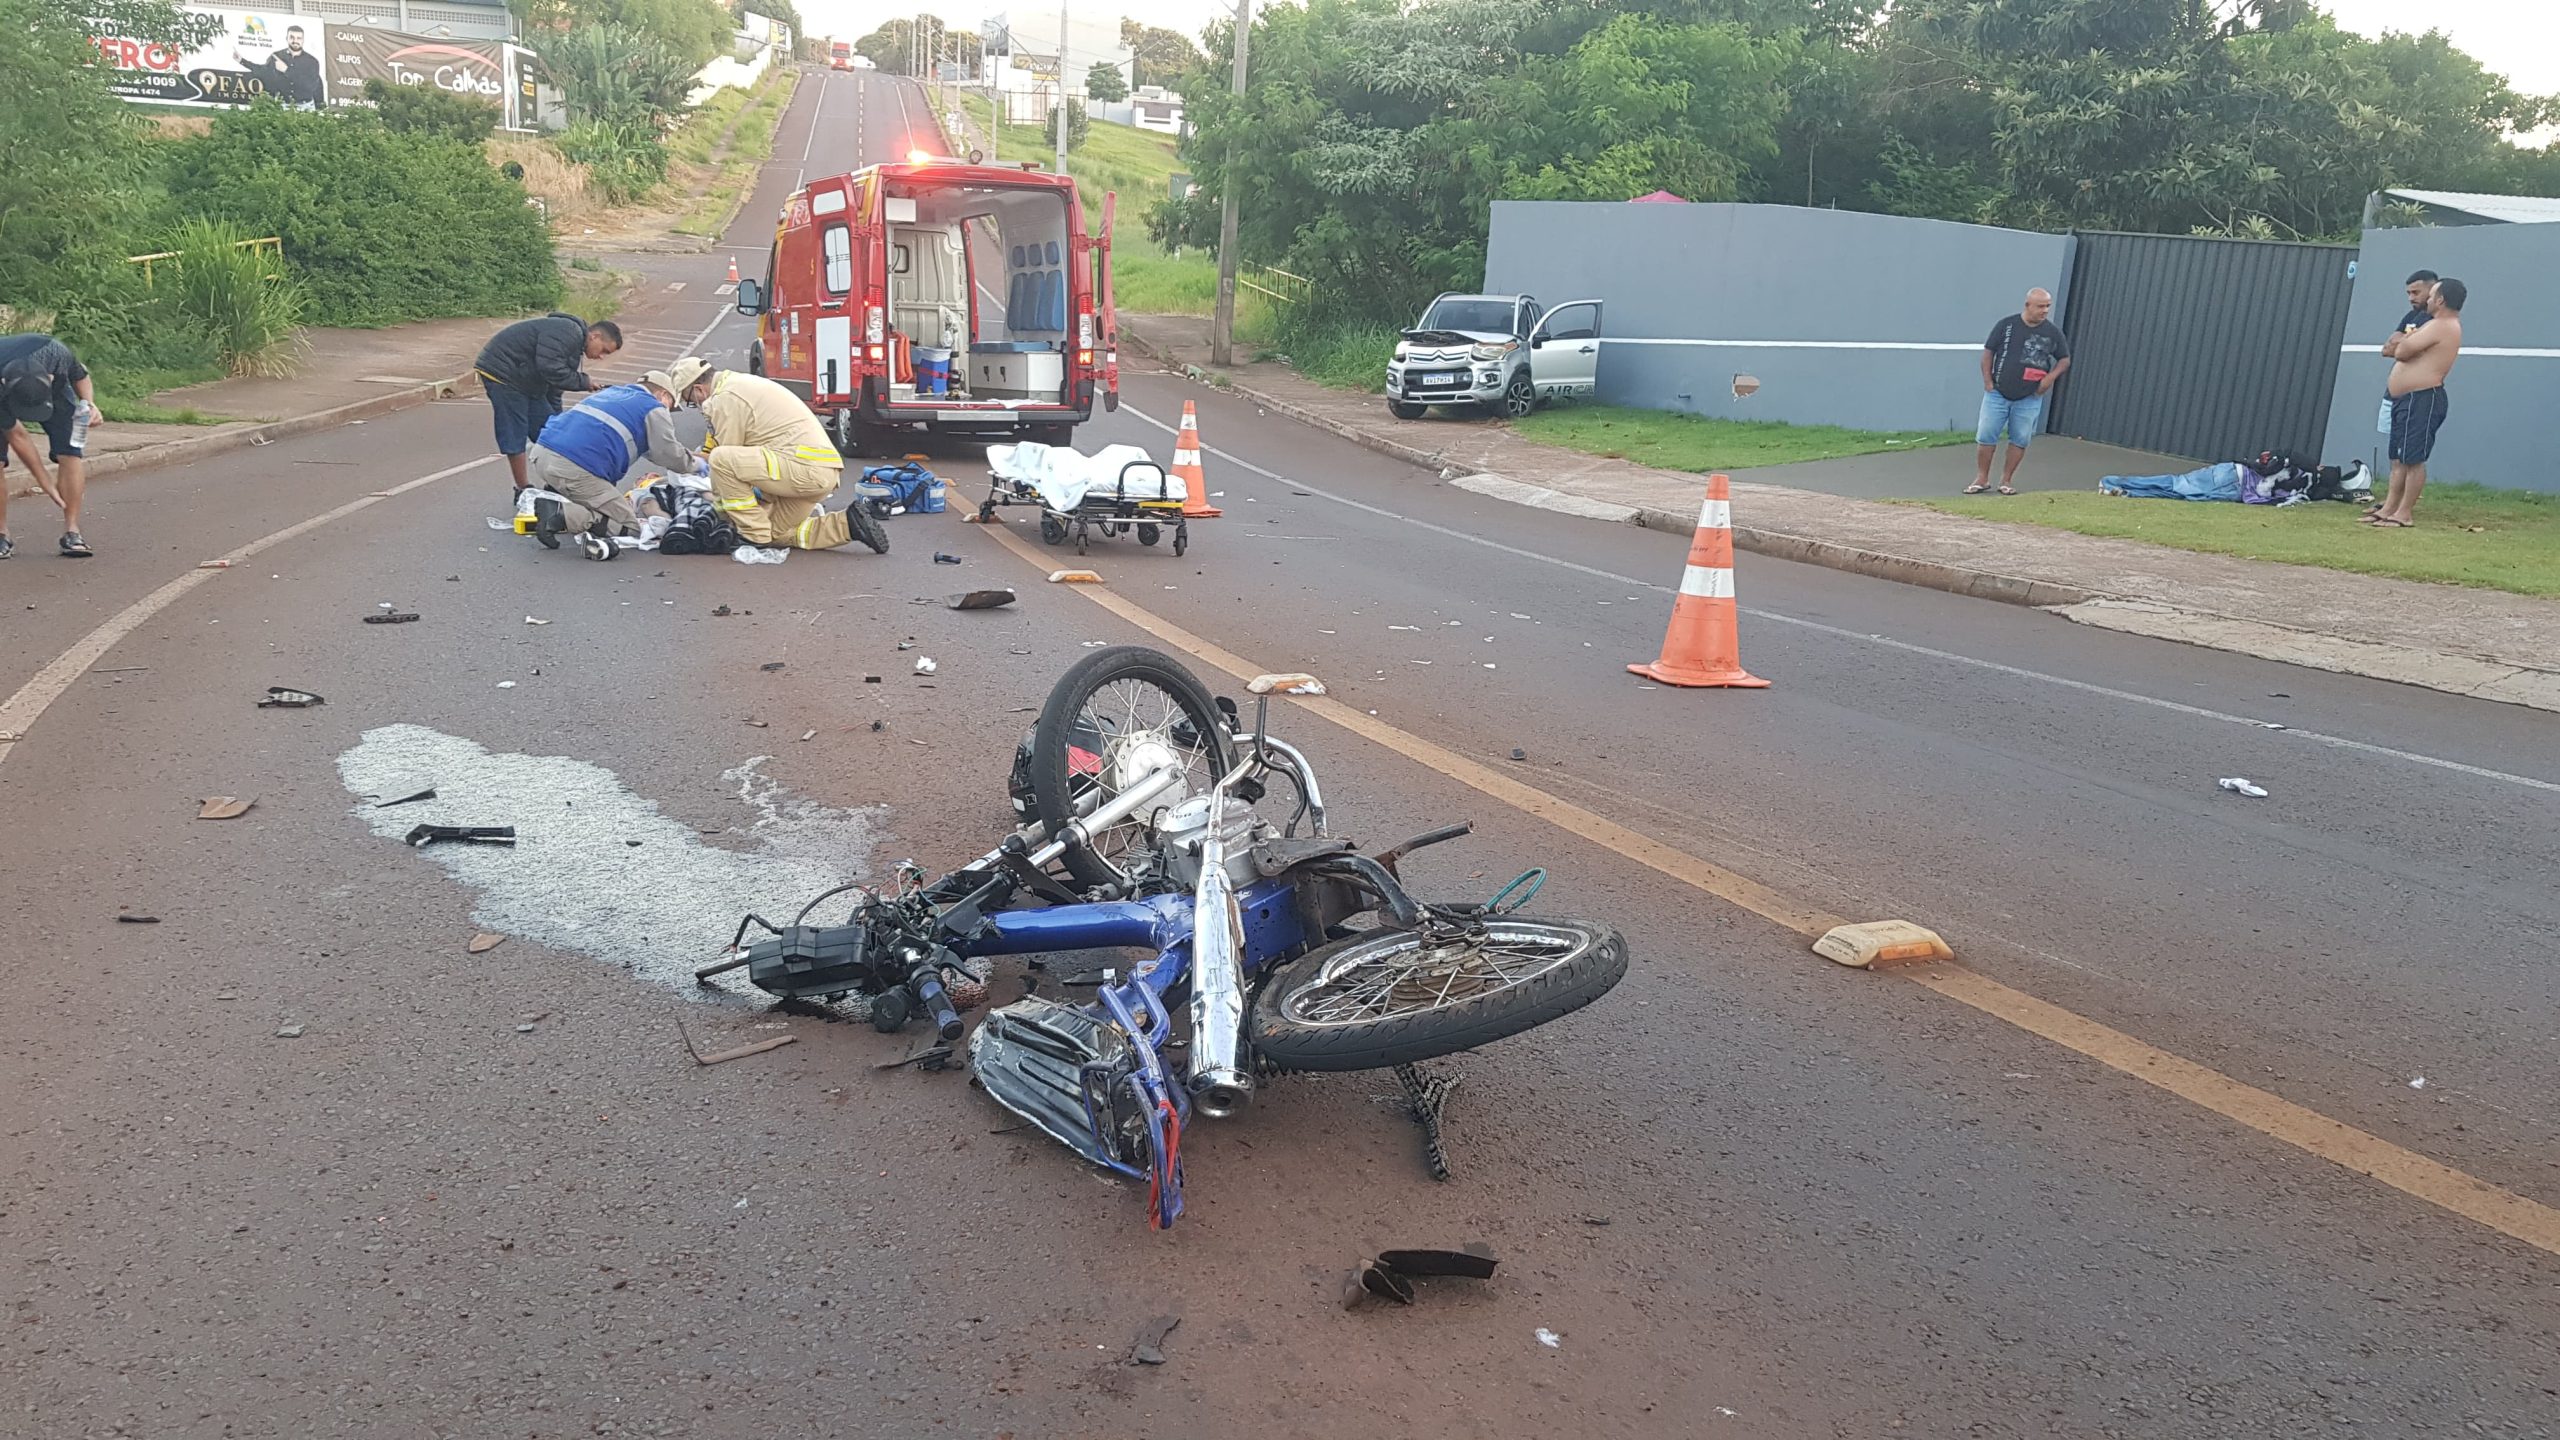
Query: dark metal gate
x,y
2207,348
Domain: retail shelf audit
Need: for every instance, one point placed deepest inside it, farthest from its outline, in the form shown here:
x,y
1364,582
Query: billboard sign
x,y
255,53
473,68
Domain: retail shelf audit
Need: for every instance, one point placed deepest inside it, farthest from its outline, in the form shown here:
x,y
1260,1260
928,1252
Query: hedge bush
x,y
425,110
381,226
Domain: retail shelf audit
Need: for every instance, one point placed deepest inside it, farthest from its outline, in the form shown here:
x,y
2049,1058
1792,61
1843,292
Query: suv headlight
x,y
1402,350
1496,352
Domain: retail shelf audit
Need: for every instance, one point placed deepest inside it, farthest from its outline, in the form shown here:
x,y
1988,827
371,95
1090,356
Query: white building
x,y
1022,59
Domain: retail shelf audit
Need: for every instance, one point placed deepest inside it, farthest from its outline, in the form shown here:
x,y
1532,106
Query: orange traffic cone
x,y
1703,646
1186,468
733,269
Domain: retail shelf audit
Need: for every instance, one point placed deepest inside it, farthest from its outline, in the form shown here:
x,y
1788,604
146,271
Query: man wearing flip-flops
x,y
2022,359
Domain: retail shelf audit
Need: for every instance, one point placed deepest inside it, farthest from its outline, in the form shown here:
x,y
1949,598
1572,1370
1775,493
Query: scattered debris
x,y
870,679
525,1029
213,565
289,1032
1391,1275
426,835
410,799
1550,1339
770,666
761,724
137,919
1074,577
925,665
759,555
282,698
506,684
808,735
2419,1083
1149,1347
529,620
1519,754
879,725
939,558
932,1057
907,644
723,612
483,943
2239,786
391,617
223,807
980,600
722,1057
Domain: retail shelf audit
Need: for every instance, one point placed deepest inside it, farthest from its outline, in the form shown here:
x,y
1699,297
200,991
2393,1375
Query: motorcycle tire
x,y
867,528
1305,1018
1055,776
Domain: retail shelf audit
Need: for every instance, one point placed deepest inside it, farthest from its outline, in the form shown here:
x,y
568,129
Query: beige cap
x,y
687,373
660,380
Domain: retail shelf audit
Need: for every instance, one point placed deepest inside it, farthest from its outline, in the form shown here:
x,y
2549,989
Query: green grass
x,y
2465,535
735,135
1348,355
1138,164
596,296
1669,441
125,395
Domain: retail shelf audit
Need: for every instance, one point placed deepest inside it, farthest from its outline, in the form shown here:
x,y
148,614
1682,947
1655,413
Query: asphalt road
x,y
1748,1193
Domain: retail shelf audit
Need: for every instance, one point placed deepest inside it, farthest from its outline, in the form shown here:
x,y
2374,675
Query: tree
x,y
1103,82
614,75
1157,56
72,174
895,45
693,30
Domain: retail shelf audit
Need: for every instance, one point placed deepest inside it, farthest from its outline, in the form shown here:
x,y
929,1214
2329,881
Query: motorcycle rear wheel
x,y
1392,997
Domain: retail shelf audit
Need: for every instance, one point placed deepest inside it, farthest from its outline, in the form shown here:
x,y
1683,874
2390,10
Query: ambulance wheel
x,y
1181,537
1149,534
1053,531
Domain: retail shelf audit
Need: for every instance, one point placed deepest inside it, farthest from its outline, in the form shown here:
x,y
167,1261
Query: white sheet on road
x,y
1062,477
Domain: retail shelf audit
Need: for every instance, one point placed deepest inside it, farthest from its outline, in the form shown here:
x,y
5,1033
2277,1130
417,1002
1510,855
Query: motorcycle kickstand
x,y
1427,1096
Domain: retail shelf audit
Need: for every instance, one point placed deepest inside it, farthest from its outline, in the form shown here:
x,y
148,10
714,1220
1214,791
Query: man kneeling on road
x,y
771,462
585,452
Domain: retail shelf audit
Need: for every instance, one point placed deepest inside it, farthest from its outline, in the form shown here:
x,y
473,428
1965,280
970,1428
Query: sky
x,y
2517,38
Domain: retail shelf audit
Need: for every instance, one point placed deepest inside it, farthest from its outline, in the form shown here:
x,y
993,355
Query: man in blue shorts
x,y
44,387
525,367
2420,361
2022,358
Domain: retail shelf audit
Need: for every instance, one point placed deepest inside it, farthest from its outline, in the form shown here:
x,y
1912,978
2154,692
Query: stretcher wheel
x,y
1149,534
1181,537
1053,531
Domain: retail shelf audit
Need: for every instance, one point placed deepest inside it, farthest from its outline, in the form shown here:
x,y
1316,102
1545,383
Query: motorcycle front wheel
x,y
1118,715
1392,997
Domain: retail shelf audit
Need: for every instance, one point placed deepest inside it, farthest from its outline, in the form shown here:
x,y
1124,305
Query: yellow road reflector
x,y
1074,577
1881,942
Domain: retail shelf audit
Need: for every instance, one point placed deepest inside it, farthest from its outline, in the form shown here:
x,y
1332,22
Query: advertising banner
x,y
474,68
255,53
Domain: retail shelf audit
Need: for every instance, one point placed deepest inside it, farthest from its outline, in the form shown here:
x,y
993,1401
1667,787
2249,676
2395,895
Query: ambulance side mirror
x,y
750,297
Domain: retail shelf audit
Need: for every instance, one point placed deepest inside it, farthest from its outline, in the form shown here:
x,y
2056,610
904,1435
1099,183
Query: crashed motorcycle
x,y
1149,824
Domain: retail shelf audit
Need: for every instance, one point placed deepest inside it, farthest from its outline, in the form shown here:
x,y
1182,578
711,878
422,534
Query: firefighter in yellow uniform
x,y
771,461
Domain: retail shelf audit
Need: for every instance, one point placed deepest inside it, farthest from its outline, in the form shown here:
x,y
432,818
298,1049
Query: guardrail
x,y
263,242
1274,283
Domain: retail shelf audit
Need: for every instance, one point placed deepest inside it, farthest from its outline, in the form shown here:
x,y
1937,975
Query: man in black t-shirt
x,y
2021,359
292,75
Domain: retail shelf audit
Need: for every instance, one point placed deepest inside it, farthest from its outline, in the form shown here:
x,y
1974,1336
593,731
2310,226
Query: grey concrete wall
x,y
1881,317
2504,425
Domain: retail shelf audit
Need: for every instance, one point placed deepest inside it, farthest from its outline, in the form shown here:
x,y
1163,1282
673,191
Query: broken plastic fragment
x,y
483,943
1550,1339
925,665
2238,786
223,807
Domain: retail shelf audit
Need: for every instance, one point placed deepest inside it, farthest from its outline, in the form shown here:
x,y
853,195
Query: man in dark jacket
x,y
44,388
525,367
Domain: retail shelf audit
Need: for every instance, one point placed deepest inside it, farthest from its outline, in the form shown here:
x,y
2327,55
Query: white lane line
x,y
2339,742
816,114
21,710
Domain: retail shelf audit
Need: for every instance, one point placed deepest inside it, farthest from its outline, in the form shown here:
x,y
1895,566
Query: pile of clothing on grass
x,y
2272,478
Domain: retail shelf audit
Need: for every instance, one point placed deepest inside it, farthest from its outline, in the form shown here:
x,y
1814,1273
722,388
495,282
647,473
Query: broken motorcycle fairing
x,y
1138,793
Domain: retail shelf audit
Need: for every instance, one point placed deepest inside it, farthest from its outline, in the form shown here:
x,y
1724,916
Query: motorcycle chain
x,y
1428,1095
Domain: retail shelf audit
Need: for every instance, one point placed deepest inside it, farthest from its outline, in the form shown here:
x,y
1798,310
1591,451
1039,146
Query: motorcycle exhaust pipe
x,y
1219,1084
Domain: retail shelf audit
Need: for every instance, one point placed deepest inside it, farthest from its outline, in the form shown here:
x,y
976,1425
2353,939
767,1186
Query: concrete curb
x,y
201,447
2466,675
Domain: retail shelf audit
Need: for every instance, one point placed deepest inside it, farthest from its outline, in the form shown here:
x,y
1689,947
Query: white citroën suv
x,y
1499,353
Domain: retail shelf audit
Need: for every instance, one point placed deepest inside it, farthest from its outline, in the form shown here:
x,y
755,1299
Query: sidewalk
x,y
2483,643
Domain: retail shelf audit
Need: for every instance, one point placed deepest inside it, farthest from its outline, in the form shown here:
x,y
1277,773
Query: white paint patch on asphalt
x,y
573,880
1539,497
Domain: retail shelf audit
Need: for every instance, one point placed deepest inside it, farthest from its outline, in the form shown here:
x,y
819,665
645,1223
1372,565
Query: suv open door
x,y
1564,351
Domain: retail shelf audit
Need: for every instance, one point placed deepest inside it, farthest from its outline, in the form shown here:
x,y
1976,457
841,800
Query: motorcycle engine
x,y
1180,831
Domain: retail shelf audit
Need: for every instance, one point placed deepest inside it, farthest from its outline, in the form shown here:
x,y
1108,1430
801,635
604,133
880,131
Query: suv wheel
x,y
1406,409
1520,396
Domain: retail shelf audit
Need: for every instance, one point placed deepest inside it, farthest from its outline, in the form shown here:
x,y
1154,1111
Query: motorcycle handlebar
x,y
937,1002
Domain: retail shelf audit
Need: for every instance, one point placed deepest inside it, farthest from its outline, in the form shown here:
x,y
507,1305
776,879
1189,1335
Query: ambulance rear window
x,y
838,244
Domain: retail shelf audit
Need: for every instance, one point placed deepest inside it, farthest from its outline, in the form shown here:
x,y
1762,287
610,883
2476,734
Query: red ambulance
x,y
942,296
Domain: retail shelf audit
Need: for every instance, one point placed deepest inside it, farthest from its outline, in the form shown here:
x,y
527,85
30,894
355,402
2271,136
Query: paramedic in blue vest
x,y
585,452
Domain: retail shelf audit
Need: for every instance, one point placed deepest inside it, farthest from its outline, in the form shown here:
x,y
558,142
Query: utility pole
x,y
1062,87
1222,324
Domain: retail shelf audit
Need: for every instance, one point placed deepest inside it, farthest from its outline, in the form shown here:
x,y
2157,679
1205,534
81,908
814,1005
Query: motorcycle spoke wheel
x,y
1391,997
1110,721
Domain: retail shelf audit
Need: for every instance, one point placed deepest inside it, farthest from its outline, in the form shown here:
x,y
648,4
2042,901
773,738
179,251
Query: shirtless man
x,y
2420,360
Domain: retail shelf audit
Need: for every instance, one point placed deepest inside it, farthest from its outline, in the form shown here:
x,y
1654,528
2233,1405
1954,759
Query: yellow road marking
x,y
2307,1130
